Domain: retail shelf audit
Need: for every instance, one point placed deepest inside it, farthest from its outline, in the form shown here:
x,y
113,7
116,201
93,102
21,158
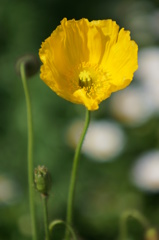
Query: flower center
x,y
85,79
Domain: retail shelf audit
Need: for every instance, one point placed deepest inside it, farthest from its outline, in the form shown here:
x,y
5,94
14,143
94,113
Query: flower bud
x,y
31,63
42,180
151,234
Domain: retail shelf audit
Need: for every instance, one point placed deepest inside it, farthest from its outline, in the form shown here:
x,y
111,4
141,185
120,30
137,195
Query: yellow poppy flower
x,y
84,62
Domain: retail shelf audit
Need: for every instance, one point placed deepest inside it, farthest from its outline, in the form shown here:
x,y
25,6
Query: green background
x,y
104,191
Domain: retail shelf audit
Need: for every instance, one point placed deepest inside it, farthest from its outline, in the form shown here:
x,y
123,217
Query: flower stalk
x,y
134,214
46,224
74,175
54,223
30,149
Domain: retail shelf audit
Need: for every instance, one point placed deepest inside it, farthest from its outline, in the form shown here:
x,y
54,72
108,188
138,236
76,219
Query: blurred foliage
x,y
104,190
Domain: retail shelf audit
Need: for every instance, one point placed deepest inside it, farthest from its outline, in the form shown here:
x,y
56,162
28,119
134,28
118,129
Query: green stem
x,y
59,222
74,175
30,147
46,224
134,214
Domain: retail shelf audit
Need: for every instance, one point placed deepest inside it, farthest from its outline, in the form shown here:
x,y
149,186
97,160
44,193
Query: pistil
x,y
85,79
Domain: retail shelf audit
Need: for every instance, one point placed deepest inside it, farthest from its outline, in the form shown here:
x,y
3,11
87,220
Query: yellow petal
x,y
91,104
121,63
84,62
101,35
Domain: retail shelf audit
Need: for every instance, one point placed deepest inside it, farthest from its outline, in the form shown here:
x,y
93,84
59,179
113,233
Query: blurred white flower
x,y
148,74
145,172
131,106
104,140
148,70
9,191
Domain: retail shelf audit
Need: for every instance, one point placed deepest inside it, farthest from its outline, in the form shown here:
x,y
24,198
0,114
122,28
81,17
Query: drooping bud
x,y
42,180
31,63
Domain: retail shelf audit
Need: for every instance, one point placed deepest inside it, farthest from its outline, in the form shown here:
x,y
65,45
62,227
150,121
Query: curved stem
x,y
58,222
74,175
44,199
30,147
134,214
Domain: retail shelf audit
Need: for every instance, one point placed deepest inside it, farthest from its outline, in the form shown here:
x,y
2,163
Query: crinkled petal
x,y
121,63
90,103
108,56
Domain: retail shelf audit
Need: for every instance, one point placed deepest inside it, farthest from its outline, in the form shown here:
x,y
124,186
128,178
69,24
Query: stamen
x,y
85,79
